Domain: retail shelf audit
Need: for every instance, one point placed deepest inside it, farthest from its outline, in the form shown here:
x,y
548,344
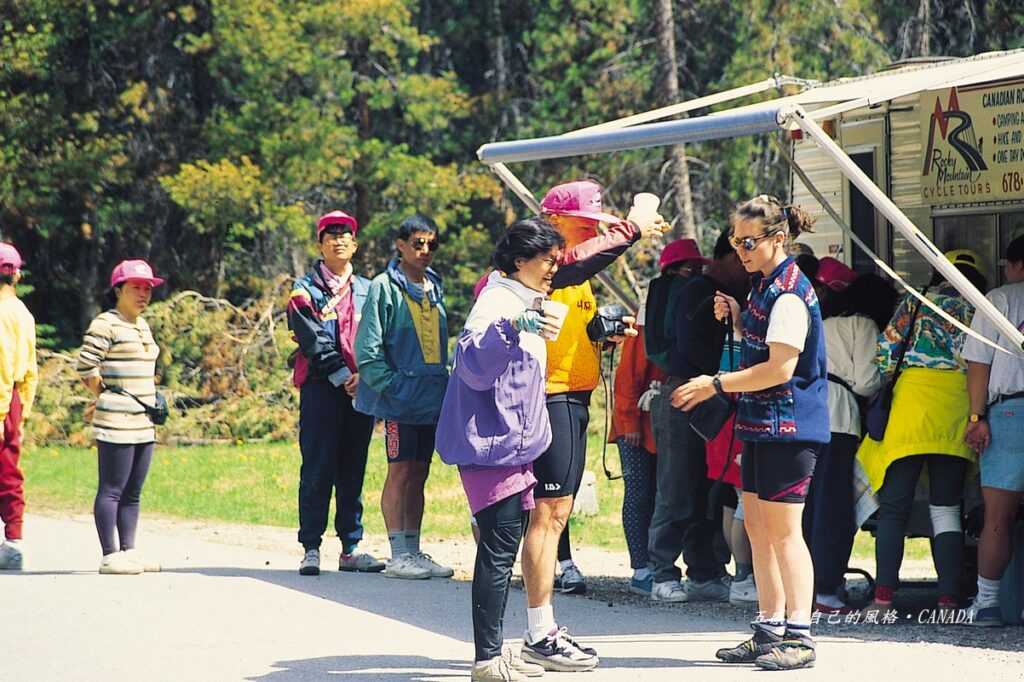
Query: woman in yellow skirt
x,y
926,427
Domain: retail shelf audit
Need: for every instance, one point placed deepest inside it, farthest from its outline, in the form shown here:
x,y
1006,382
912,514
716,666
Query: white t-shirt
x,y
789,322
1007,371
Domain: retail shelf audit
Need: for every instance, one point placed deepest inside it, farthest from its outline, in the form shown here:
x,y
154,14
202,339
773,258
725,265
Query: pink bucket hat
x,y
678,251
581,198
336,218
835,274
128,270
9,257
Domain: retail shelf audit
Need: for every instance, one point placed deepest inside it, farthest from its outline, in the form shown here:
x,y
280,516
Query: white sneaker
x,y
515,662
743,592
669,591
147,565
436,569
119,564
310,564
11,558
406,567
496,669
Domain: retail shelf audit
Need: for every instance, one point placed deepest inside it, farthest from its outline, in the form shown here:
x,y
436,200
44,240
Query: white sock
x,y
642,573
988,592
13,543
540,622
830,600
565,563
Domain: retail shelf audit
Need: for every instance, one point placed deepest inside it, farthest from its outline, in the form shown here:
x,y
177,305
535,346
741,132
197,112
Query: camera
x,y
607,322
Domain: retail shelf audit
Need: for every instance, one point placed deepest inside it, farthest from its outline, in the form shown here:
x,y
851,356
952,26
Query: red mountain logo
x,y
961,138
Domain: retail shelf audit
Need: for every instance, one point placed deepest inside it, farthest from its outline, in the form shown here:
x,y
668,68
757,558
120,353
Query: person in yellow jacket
x,y
573,371
927,423
18,380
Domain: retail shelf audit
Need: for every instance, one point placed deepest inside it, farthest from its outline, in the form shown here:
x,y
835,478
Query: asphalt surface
x,y
222,611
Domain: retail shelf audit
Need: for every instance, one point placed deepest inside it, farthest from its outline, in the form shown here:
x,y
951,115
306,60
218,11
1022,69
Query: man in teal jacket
x,y
402,354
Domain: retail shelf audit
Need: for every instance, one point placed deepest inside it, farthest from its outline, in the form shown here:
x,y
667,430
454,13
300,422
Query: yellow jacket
x,y
574,361
17,355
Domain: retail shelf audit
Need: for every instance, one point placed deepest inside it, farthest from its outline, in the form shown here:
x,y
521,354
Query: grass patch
x,y
258,484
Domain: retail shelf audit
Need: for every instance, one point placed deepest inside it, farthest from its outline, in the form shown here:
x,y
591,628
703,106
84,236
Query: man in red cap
x,y
18,380
323,315
573,371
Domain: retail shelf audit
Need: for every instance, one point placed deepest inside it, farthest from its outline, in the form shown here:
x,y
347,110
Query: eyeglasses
x,y
430,244
750,243
334,235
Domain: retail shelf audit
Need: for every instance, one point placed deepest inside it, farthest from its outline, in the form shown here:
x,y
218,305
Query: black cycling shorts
x,y
559,470
779,471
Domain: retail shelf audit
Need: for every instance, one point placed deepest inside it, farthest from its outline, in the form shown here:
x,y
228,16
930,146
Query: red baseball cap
x,y
133,270
9,256
580,198
835,274
336,218
678,251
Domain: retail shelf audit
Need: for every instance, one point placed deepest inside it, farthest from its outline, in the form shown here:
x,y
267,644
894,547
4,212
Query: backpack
x,y
660,318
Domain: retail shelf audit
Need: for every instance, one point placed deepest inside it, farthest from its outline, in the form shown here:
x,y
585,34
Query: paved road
x,y
226,612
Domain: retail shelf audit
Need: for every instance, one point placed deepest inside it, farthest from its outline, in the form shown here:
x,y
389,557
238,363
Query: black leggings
x,y
122,471
501,530
896,499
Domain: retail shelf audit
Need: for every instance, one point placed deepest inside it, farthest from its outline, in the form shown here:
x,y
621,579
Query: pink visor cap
x,y
138,270
336,218
581,198
9,257
679,251
835,274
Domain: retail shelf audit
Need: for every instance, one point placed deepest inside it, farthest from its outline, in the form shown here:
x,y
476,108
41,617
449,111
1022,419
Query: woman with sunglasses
x,y
782,417
494,424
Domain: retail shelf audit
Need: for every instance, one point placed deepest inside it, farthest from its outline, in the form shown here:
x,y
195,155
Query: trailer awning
x,y
636,137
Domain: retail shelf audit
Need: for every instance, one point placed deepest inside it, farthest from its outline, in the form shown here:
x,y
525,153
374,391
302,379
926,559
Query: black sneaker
x,y
557,653
793,653
747,652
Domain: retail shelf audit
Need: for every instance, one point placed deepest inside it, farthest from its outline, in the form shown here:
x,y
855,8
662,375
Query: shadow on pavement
x,y
412,668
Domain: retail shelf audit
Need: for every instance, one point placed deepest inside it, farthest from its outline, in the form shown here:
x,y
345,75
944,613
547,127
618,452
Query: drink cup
x,y
645,207
557,311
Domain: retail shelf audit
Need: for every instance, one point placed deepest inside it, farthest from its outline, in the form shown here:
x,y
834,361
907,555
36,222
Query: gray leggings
x,y
122,471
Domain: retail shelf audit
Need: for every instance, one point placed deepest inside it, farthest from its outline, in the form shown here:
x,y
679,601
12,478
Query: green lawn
x,y
258,484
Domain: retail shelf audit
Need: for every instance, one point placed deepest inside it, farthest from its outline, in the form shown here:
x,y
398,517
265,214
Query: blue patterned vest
x,y
798,409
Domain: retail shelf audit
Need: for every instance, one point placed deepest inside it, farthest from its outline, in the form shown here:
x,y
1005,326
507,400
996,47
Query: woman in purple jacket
x,y
493,424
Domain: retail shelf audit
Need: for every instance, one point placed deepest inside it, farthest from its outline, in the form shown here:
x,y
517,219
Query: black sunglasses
x,y
431,244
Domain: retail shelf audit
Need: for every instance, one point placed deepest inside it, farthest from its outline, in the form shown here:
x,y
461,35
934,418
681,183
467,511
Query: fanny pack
x,y
157,412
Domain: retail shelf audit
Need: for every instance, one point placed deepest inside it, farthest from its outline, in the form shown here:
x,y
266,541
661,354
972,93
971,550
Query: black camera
x,y
607,322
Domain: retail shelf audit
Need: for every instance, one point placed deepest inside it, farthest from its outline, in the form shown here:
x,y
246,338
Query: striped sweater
x,y
122,354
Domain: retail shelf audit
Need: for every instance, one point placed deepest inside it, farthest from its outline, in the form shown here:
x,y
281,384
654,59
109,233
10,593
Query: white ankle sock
x,y
540,622
13,543
565,563
988,592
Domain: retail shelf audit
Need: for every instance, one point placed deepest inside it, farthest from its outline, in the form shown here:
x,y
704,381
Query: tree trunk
x,y
684,224
924,28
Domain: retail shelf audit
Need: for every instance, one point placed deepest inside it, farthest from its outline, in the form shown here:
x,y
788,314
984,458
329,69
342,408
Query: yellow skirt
x,y
928,417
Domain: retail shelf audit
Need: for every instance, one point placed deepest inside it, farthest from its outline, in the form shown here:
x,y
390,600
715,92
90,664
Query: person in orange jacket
x,y
636,381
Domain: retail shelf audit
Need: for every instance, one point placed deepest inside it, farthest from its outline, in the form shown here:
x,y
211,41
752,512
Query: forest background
x,y
207,135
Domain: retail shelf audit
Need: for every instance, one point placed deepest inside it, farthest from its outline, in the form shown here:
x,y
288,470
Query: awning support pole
x,y
899,220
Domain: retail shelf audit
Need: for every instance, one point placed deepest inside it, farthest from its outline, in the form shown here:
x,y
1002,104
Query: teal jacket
x,y
394,381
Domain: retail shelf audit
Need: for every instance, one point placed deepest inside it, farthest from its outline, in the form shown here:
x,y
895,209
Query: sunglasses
x,y
431,244
749,243
339,235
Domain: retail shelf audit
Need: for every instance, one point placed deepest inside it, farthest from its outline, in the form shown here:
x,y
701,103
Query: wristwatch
x,y
975,418
716,381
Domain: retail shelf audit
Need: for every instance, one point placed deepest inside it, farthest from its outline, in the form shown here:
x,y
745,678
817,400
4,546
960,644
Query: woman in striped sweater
x,y
119,352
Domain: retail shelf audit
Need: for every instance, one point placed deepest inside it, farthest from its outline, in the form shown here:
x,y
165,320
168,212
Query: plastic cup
x,y
645,207
556,310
